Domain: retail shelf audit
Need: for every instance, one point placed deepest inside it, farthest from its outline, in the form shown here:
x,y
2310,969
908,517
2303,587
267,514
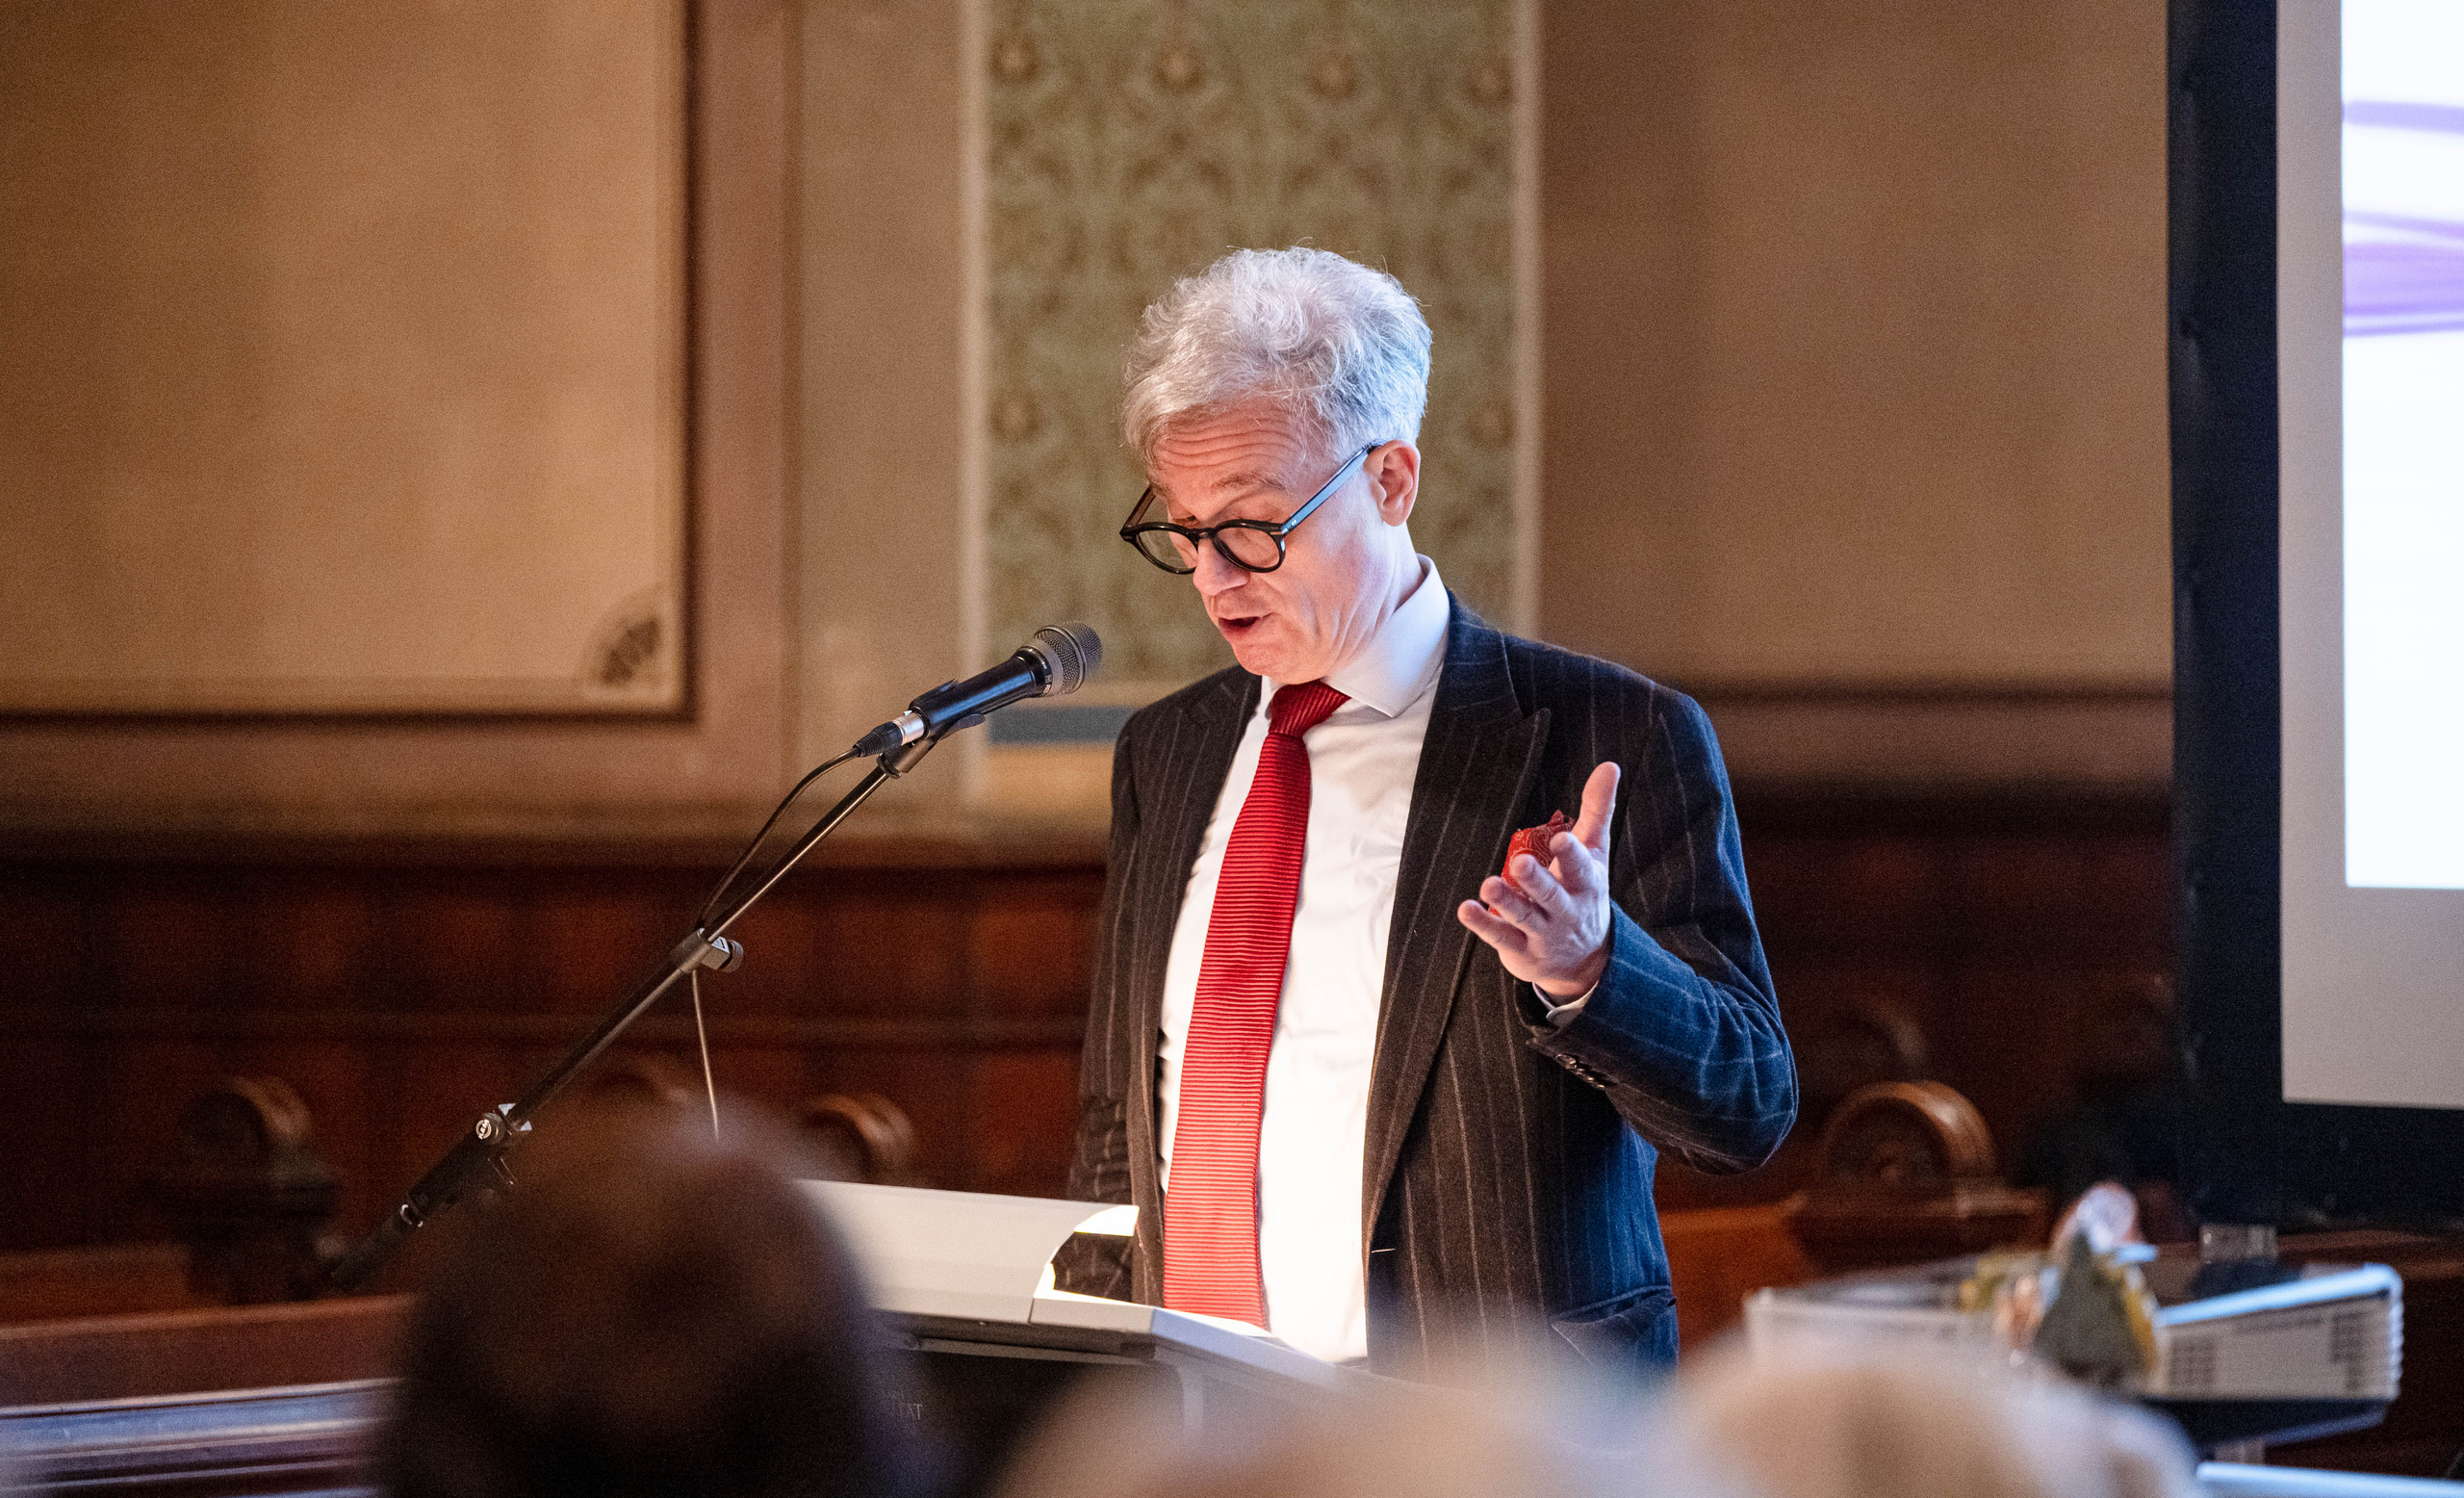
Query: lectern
x,y
984,1345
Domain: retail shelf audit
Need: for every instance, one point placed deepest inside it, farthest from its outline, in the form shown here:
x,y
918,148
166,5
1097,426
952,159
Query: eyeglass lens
x,y
1249,548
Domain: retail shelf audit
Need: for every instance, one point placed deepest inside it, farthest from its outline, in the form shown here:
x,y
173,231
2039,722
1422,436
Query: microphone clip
x,y
906,756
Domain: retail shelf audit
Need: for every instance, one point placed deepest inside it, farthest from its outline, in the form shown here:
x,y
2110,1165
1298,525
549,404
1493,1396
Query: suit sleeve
x,y
1099,1162
1682,1033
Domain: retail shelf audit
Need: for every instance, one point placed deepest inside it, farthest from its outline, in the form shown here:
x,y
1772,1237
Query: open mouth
x,y
1235,626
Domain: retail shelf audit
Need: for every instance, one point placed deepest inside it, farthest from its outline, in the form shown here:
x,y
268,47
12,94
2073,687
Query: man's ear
x,y
1395,470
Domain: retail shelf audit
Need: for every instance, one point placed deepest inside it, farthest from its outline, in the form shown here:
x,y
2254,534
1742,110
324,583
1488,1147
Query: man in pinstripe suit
x,y
1473,1068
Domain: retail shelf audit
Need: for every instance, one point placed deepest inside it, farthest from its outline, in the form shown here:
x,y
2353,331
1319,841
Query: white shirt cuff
x,y
1562,1015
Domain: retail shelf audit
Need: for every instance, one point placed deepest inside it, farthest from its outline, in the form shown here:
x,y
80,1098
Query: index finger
x,y
1599,801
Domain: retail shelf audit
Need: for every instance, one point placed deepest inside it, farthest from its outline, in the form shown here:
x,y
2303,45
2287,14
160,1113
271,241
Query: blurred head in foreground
x,y
1801,1423
1371,1438
650,1311
1810,1422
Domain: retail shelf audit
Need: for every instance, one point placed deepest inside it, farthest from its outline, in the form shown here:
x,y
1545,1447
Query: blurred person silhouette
x,y
1810,1421
1535,1435
650,1312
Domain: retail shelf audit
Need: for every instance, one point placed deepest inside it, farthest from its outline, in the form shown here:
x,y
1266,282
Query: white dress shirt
x,y
1362,760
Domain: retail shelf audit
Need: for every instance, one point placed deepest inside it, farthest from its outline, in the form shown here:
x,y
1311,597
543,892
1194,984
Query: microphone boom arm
x,y
476,1161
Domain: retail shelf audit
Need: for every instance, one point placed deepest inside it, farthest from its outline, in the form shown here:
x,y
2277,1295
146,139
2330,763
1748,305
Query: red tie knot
x,y
1302,707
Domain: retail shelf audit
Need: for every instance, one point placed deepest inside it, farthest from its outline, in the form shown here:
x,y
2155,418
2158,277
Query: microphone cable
x,y
728,880
701,921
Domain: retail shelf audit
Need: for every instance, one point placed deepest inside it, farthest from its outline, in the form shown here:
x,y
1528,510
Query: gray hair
x,y
1340,345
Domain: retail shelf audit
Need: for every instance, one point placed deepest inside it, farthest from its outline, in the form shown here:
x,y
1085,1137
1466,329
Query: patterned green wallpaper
x,y
1131,144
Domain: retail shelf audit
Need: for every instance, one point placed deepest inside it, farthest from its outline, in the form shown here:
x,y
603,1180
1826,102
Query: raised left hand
x,y
1550,921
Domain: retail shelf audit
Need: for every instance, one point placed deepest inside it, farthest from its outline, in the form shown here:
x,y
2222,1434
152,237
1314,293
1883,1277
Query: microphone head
x,y
1070,653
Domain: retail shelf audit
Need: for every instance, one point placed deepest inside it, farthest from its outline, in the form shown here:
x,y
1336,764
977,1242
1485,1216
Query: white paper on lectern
x,y
957,1253
980,1258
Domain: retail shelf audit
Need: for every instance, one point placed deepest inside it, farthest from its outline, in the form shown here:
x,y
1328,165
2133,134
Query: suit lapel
x,y
1183,773
1475,773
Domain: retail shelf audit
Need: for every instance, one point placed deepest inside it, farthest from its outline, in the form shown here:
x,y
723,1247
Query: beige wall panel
x,y
349,344
711,773
1854,342
882,299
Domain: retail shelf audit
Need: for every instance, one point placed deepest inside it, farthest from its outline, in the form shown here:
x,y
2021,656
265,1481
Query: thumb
x,y
1599,801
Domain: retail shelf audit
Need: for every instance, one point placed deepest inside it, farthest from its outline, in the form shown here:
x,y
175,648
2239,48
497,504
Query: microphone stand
x,y
476,1161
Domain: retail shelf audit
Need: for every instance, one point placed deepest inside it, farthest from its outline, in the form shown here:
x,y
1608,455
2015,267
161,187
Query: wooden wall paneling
x,y
2090,895
2048,923
316,940
585,949
930,1085
785,971
45,1191
145,1079
2007,1042
400,989
886,947
45,949
1024,1105
1843,894
332,1078
1034,944
784,1074
1989,921
47,946
168,946
440,937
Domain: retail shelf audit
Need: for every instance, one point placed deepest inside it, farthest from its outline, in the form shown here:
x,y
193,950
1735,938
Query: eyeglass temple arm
x,y
1351,465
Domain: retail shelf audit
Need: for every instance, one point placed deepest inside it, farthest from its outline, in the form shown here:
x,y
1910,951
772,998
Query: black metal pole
x,y
477,1159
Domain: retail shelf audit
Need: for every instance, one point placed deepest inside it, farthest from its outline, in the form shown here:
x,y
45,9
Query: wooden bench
x,y
93,1358
52,1284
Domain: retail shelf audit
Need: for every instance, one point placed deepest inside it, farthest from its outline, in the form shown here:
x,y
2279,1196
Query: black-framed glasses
x,y
1251,545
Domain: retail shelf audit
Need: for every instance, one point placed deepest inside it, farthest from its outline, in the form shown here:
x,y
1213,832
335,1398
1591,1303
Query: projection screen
x,y
2371,563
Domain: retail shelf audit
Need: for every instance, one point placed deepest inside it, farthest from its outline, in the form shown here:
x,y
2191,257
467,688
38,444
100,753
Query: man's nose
x,y
1215,574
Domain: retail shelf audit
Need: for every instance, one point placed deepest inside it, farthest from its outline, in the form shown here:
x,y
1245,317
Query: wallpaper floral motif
x,y
1132,143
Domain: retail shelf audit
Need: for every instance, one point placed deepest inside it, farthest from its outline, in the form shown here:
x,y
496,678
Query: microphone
x,y
1057,659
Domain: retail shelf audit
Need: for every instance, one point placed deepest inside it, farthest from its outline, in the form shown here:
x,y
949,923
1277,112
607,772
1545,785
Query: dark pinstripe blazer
x,y
1506,1184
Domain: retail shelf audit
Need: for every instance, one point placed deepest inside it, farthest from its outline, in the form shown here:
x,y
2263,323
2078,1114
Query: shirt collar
x,y
1401,661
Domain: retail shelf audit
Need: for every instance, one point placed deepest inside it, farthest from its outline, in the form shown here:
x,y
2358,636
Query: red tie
x,y
1211,1208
